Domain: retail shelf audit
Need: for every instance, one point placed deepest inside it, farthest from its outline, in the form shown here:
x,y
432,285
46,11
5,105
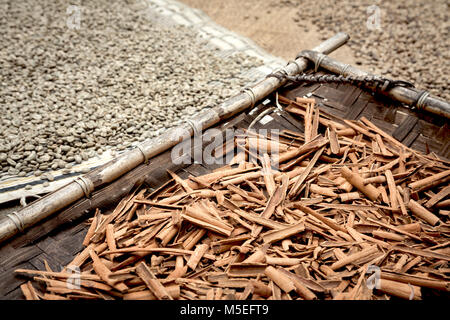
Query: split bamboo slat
x,y
357,200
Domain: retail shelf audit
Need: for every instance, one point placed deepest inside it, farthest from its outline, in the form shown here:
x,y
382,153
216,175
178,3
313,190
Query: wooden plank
x,y
18,256
405,128
53,248
16,294
351,95
54,263
326,91
355,110
10,281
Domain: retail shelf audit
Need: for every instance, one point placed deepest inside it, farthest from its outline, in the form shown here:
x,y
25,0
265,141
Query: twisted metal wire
x,y
369,80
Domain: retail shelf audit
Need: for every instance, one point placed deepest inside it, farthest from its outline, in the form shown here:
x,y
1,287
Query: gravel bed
x,y
69,94
412,43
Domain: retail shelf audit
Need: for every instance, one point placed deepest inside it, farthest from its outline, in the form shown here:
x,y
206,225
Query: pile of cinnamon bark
x,y
342,211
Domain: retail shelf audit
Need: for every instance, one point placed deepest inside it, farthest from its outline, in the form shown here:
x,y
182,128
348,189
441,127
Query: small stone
x,y
37,173
78,159
28,187
45,184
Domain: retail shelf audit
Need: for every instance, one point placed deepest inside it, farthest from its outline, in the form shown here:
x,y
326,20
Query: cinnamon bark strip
x,y
314,188
207,225
28,291
104,273
180,270
399,289
352,258
376,179
318,216
241,178
300,288
438,197
388,235
394,228
91,230
110,240
420,281
260,220
422,213
392,189
411,264
280,279
62,275
350,196
430,181
334,141
268,175
282,261
301,178
258,256
198,254
281,234
314,144
274,200
246,269
175,251
152,282
358,182
173,290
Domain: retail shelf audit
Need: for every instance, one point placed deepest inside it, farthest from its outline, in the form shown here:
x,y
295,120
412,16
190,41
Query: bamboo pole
x,y
75,190
406,95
